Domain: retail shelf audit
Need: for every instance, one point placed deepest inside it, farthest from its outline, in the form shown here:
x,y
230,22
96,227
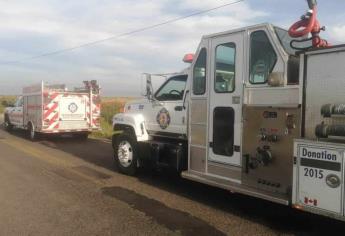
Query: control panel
x,y
268,147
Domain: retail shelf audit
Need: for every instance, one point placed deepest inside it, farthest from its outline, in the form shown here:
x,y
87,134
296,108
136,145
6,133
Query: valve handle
x,y
308,25
304,26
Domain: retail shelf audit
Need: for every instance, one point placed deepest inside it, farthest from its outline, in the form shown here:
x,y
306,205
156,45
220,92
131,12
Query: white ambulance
x,y
49,109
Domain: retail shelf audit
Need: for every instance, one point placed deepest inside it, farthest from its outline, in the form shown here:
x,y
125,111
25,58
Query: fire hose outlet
x,y
308,25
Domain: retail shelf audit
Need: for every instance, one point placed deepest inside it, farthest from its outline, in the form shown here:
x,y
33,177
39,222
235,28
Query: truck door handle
x,y
178,108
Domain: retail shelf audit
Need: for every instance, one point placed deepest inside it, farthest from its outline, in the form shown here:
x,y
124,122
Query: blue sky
x,y
33,27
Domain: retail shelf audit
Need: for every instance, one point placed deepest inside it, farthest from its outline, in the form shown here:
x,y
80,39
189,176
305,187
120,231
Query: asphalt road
x,y
61,186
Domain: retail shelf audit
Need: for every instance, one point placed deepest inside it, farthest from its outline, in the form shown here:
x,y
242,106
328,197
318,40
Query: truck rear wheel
x,y
126,154
7,124
31,133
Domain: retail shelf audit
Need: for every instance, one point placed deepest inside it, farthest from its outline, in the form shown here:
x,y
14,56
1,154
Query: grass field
x,y
109,107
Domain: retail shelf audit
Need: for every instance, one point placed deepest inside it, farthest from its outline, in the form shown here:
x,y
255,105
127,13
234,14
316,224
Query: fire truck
x,y
261,112
53,109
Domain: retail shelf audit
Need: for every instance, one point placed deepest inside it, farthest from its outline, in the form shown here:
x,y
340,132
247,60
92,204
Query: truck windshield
x,y
285,40
19,102
172,89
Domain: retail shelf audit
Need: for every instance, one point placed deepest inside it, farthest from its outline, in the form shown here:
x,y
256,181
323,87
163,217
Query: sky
x,y
32,27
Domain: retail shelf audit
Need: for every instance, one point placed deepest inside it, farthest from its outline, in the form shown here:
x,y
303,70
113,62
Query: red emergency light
x,y
188,58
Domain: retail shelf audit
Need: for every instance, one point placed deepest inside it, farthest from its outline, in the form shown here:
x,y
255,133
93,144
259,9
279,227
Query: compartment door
x,y
225,109
72,108
320,178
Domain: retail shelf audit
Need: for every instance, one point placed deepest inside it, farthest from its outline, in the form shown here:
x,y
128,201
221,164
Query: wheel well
x,y
29,124
7,118
124,128
120,128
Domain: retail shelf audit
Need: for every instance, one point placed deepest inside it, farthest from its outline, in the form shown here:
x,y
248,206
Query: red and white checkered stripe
x,y
50,111
87,100
96,111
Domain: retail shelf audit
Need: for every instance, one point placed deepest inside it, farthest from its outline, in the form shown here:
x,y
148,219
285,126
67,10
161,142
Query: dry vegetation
x,y
5,101
109,107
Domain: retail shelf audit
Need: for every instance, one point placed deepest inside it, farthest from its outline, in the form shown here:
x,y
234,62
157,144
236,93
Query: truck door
x,y
198,113
225,99
168,114
16,113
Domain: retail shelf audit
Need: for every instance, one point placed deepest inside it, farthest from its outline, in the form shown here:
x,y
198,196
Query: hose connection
x,y
308,24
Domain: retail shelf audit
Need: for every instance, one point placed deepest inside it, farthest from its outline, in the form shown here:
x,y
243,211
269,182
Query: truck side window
x,y
225,68
199,74
262,58
172,89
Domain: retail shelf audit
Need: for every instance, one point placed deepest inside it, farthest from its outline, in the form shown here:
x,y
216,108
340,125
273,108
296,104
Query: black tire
x,y
7,124
31,133
128,144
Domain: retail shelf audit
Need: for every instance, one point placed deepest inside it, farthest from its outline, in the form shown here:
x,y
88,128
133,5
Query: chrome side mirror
x,y
146,87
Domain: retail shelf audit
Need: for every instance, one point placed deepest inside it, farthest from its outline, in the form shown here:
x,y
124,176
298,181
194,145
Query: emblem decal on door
x,y
163,118
72,107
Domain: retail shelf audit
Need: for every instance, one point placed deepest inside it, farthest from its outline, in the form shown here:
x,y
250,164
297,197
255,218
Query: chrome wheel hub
x,y
125,153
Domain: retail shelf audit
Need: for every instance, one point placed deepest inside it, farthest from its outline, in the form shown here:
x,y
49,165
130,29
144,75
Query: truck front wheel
x,y
7,124
126,154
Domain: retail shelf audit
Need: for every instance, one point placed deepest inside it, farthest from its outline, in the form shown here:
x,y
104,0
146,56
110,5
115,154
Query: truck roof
x,y
239,30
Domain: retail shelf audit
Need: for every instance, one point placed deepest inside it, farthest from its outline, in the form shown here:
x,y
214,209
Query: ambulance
x,y
53,109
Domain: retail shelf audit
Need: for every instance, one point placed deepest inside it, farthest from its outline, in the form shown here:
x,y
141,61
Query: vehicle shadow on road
x,y
280,218
95,151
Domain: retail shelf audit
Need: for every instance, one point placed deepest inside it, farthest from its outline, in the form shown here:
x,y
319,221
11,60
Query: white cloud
x,y
337,34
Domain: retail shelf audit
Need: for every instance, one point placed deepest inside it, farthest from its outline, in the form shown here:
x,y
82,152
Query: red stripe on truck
x,y
47,113
53,96
52,120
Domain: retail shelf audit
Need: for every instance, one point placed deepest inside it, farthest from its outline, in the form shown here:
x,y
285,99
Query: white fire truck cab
x,y
50,109
254,116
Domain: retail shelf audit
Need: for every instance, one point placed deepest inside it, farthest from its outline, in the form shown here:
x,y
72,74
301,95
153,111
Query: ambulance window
x,y
173,89
225,68
199,74
262,57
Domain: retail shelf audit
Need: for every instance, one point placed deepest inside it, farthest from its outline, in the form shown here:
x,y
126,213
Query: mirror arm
x,y
151,98
184,100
